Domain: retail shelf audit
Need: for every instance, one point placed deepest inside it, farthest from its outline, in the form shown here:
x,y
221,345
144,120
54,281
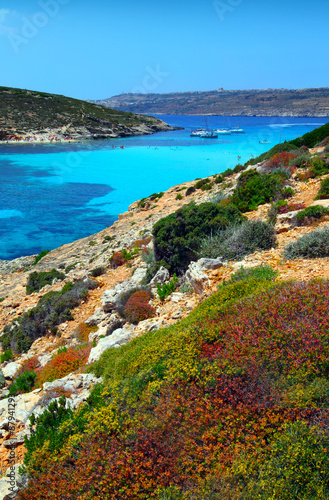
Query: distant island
x,y
266,102
30,116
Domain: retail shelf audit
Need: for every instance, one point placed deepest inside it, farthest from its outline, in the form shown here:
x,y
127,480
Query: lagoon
x,y
55,194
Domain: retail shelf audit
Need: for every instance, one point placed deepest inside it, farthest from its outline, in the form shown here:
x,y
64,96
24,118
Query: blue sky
x,y
96,49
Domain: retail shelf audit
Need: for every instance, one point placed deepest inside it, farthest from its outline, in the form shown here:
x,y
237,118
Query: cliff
x,y
267,102
29,113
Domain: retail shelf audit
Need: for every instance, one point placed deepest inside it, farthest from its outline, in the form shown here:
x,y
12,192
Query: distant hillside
x,y
269,102
26,112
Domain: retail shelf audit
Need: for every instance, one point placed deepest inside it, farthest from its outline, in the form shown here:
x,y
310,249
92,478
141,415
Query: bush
x,y
302,161
280,160
47,425
179,197
295,467
238,241
319,167
36,280
98,271
309,246
255,189
177,237
137,307
23,383
63,363
167,288
117,260
52,309
6,356
311,213
42,254
262,272
323,193
2,380
201,183
190,190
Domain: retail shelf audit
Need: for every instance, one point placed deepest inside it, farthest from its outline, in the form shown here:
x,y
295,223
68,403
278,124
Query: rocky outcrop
x,y
116,339
111,298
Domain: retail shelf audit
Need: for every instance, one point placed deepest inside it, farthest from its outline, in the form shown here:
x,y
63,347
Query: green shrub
x,y
6,356
2,380
238,241
69,268
24,382
190,190
218,179
98,271
36,280
319,167
323,193
167,288
287,192
262,272
177,237
255,189
52,309
201,183
309,246
42,254
179,197
311,213
47,425
302,161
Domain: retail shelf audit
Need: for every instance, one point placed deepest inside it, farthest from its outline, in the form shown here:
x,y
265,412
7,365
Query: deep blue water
x,y
55,194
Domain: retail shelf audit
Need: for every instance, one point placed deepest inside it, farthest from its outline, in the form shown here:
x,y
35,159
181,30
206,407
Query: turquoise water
x,y
55,194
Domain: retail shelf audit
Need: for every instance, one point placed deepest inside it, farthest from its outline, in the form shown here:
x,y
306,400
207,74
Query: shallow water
x,y
55,194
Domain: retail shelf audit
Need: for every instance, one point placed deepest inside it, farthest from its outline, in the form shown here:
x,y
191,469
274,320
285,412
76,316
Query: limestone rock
x,y
111,298
161,276
96,318
210,264
10,370
118,337
196,278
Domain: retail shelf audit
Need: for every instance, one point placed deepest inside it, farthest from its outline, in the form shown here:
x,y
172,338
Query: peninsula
x,y
32,116
260,102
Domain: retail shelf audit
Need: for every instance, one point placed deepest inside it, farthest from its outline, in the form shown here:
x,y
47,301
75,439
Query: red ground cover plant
x,y
63,364
280,160
138,308
117,260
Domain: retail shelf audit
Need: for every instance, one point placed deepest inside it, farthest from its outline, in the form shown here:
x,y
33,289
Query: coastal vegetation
x,y
29,113
229,402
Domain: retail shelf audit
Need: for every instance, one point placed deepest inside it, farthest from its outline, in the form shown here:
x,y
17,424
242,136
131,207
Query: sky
x,y
95,49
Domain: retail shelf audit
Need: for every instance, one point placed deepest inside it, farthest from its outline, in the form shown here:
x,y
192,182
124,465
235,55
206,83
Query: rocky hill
x,y
267,102
30,113
215,366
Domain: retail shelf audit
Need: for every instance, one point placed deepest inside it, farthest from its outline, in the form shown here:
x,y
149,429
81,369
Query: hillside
x,y
213,385
268,102
28,113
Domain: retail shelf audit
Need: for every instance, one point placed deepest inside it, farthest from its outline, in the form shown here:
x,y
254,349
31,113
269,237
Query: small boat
x,y
237,130
223,131
264,141
204,134
198,132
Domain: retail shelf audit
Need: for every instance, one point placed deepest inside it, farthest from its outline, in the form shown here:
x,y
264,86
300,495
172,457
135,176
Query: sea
x,y
57,193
